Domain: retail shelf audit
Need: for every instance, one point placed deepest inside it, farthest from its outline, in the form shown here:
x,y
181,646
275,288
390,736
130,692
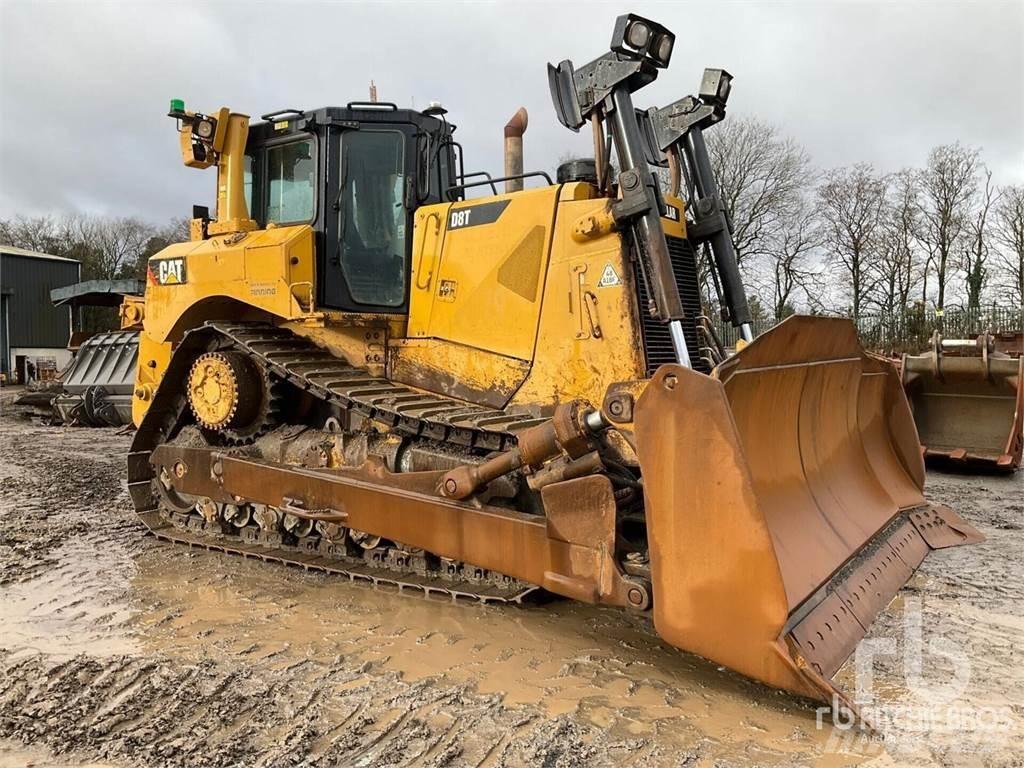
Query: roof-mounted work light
x,y
715,87
645,39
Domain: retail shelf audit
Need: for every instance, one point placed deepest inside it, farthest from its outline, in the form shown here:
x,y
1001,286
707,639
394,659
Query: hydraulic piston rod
x,y
649,233
721,241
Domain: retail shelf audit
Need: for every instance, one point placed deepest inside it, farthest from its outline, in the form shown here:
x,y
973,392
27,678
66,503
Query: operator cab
x,y
356,175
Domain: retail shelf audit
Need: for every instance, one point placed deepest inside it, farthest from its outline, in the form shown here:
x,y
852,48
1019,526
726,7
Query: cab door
x,y
367,221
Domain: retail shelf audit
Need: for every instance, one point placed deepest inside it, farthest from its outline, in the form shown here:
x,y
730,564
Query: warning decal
x,y
609,277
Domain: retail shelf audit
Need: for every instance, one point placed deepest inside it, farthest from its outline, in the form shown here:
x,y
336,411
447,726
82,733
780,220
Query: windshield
x,y
373,217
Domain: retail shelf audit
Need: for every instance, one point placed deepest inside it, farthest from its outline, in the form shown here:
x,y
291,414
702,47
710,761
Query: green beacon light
x,y
177,105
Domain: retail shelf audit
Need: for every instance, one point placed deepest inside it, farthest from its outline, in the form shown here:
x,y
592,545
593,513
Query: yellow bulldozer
x,y
361,365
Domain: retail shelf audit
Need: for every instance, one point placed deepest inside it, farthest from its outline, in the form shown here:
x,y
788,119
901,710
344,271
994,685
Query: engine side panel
x,y
505,279
478,278
589,335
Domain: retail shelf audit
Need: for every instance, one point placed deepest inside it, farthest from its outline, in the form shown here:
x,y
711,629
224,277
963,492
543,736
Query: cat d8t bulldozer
x,y
362,366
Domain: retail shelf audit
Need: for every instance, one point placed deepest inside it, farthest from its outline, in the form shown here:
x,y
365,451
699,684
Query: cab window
x,y
291,182
247,182
372,217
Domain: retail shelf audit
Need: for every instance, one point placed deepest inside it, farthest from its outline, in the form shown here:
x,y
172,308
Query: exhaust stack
x,y
514,130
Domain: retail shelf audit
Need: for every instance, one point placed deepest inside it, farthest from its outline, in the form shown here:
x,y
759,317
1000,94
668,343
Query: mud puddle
x,y
606,670
76,608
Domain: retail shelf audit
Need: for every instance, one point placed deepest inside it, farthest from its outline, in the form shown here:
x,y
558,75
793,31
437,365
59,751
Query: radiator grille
x,y
658,348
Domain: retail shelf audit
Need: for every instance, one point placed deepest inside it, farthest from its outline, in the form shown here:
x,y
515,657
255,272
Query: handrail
x,y
291,290
492,182
281,113
485,174
389,105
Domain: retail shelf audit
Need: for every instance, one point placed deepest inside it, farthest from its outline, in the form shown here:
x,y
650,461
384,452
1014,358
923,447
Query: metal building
x,y
33,332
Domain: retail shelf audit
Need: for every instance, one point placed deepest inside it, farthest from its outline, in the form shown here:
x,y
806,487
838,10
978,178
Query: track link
x,y
314,555
315,370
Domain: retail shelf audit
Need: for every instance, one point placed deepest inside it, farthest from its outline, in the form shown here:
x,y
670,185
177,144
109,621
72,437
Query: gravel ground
x,y
117,650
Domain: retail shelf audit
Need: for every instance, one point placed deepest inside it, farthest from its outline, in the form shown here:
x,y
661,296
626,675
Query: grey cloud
x,y
84,87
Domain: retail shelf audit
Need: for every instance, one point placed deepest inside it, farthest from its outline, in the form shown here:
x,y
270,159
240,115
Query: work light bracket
x,y
577,93
671,123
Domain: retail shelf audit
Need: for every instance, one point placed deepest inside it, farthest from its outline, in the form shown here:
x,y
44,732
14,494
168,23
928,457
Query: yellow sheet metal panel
x,y
486,290
271,270
470,374
674,222
576,190
589,333
154,357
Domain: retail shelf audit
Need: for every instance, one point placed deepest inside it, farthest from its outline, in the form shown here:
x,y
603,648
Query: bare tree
x,y
948,184
107,247
899,266
851,202
977,246
762,177
1008,231
792,275
41,233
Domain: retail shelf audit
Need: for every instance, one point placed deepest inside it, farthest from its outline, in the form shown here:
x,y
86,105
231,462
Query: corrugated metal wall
x,y
27,282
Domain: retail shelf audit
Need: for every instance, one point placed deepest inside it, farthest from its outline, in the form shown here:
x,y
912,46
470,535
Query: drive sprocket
x,y
230,393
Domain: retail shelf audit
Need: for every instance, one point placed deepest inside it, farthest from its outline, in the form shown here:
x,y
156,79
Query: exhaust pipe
x,y
514,130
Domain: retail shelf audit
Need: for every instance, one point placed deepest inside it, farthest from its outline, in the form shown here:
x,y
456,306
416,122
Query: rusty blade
x,y
781,503
818,436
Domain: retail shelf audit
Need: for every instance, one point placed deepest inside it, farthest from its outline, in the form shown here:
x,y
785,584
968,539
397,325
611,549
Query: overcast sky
x,y
84,87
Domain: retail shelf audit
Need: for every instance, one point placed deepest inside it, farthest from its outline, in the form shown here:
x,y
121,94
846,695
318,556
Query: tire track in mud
x,y
206,715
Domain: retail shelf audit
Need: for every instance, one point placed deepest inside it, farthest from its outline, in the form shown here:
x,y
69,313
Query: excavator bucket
x,y
784,503
968,402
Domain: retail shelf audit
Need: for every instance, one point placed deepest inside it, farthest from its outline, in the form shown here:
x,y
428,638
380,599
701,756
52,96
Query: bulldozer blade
x,y
96,388
784,503
968,409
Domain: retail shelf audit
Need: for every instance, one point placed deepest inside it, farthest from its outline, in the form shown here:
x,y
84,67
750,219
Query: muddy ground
x,y
118,650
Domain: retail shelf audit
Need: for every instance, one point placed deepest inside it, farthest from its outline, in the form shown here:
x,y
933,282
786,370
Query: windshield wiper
x,y
342,178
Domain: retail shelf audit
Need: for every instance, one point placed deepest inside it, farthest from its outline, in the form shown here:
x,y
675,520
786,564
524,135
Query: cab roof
x,y
287,121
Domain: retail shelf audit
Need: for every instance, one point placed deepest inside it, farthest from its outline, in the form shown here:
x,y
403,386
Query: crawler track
x,y
304,365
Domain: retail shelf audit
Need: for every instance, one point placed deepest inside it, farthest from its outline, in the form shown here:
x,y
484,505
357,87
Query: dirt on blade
x,y
117,650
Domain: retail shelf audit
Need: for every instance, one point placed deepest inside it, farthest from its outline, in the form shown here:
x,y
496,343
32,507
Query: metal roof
x,y
97,293
13,251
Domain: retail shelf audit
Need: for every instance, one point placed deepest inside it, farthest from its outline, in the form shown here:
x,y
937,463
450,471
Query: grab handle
x,y
420,284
